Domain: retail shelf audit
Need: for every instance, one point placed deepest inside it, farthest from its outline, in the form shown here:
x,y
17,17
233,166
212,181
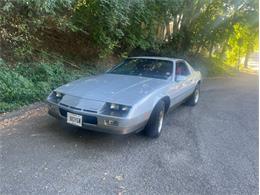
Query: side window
x,y
182,69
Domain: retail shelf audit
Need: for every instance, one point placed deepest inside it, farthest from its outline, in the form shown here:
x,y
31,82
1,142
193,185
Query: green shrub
x,y
14,87
27,83
209,66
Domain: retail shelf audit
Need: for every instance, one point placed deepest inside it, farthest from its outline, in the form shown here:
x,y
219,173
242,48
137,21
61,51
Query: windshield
x,y
153,68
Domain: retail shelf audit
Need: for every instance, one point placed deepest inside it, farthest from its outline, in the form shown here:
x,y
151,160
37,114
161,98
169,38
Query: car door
x,y
181,87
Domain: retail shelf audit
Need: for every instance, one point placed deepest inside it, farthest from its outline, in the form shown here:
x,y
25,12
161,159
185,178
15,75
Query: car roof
x,y
155,58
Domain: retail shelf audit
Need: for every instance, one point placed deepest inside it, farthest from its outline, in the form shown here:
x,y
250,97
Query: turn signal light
x,y
110,123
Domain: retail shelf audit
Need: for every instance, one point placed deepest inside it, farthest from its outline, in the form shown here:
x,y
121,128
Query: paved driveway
x,y
209,149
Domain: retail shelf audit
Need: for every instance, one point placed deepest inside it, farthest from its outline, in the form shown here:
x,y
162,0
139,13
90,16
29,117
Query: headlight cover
x,y
55,97
116,109
58,94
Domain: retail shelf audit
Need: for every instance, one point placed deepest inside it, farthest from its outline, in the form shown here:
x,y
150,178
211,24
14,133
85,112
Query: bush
x,y
14,87
211,66
27,83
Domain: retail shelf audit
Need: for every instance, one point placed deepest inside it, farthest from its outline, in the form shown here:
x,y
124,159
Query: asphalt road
x,y
208,149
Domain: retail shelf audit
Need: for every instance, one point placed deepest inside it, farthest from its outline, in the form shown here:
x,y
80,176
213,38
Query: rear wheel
x,y
194,98
154,126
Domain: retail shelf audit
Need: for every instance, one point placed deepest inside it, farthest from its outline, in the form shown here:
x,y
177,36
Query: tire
x,y
194,98
154,125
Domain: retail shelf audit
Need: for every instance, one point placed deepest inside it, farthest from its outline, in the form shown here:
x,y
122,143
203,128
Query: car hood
x,y
121,89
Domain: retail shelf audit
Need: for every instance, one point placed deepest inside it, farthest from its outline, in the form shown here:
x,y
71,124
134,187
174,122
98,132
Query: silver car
x,y
131,97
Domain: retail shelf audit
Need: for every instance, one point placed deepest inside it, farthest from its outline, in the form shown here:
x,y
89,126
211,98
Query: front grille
x,y
90,111
63,112
75,108
78,109
90,119
85,118
64,105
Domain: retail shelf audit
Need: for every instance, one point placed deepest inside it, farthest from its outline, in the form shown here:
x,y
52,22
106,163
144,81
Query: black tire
x,y
154,124
194,98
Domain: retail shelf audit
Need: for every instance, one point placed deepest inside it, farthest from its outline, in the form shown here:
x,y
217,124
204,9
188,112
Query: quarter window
x,y
182,69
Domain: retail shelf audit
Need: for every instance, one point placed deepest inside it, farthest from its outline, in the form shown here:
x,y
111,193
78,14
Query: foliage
x,y
20,21
113,25
26,83
241,42
105,19
217,32
210,66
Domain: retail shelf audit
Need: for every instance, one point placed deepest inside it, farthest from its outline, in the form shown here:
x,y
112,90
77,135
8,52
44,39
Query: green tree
x,y
242,42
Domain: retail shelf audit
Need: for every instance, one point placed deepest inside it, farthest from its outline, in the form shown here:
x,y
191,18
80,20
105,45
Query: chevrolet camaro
x,y
131,97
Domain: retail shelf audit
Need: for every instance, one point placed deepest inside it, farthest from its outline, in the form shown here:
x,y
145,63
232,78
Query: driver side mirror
x,y
179,78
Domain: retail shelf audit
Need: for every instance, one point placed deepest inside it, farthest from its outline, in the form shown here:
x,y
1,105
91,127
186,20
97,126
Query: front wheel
x,y
194,98
154,126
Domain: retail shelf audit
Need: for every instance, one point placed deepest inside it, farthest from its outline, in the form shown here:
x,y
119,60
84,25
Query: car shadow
x,y
76,135
61,132
67,141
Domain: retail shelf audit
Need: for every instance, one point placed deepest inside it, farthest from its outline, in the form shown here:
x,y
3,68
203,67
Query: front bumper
x,y
124,125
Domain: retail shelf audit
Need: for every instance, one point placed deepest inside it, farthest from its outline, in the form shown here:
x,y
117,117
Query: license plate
x,y
74,119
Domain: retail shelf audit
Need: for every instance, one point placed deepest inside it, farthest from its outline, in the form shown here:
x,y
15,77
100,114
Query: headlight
x,y
55,97
58,95
118,107
114,106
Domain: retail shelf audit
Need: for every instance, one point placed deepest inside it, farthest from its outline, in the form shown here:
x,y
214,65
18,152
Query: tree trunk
x,y
246,60
238,60
174,25
198,50
168,31
159,32
222,53
211,49
179,21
